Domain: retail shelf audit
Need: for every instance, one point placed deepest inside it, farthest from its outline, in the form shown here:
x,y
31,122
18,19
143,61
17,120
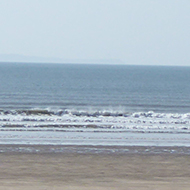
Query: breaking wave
x,y
94,119
92,113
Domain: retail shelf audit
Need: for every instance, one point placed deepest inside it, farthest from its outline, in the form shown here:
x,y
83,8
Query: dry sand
x,y
71,171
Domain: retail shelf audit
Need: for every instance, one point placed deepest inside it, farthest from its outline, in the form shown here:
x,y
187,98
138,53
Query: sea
x,y
94,104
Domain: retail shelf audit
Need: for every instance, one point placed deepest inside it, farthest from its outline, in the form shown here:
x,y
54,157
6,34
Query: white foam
x,y
138,121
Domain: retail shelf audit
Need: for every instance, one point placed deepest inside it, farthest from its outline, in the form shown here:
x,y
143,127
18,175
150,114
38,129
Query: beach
x,y
45,170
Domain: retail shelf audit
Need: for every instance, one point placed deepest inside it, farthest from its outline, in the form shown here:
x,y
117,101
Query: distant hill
x,y
23,58
36,59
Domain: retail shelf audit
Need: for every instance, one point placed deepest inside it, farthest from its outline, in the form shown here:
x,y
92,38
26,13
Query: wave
x,y
95,119
92,113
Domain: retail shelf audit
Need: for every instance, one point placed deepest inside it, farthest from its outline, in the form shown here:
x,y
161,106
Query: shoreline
x,y
94,149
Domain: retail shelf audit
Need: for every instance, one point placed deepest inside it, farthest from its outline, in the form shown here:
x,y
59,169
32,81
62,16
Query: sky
x,y
142,32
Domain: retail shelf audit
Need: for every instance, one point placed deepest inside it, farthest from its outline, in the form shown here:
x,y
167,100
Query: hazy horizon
x,y
98,31
52,60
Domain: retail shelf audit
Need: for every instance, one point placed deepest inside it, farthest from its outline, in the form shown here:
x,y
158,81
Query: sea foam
x,y
112,120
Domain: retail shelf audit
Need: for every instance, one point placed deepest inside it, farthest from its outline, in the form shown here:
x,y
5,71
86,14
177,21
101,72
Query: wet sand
x,y
129,171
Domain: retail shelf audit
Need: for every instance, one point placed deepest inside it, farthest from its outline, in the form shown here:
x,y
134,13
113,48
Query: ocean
x,y
85,104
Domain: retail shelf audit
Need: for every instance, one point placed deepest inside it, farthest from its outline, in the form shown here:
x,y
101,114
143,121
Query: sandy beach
x,y
56,171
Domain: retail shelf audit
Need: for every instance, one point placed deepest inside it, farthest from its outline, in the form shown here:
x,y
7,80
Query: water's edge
x,y
67,149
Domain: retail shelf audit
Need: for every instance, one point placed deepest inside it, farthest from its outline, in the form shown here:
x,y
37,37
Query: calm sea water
x,y
93,98
100,87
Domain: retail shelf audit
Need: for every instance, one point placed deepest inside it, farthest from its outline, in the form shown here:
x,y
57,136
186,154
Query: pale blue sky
x,y
145,32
